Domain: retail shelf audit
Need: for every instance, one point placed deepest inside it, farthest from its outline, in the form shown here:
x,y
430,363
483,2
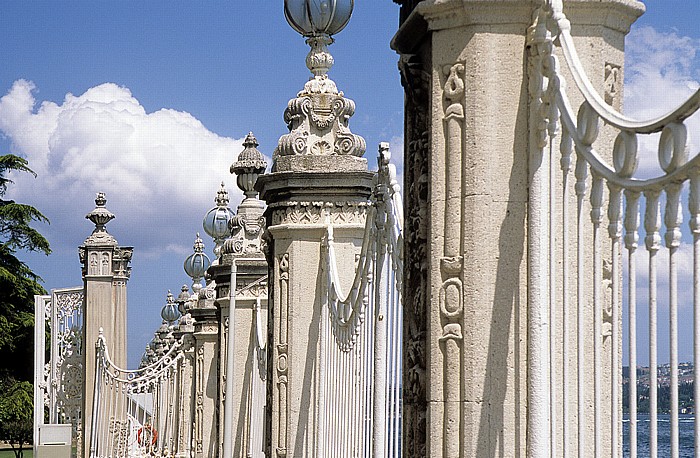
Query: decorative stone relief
x,y
451,264
613,82
315,212
282,357
318,118
199,409
416,82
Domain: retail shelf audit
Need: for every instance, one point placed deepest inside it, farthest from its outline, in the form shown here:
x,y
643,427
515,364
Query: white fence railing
x,y
136,413
581,303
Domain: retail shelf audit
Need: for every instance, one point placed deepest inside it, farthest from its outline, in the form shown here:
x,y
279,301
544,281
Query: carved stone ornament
x,y
100,216
318,119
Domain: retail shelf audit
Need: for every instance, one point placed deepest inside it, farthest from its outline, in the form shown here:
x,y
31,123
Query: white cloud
x,y
160,170
660,73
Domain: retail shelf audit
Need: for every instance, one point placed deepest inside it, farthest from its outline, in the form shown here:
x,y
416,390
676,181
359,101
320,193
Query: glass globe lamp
x,y
169,311
197,263
318,17
216,220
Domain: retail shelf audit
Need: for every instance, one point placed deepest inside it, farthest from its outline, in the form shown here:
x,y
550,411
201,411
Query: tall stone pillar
x,y
206,376
106,270
464,69
318,177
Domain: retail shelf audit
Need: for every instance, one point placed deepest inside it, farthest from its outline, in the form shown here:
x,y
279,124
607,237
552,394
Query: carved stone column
x,y
105,273
318,176
464,69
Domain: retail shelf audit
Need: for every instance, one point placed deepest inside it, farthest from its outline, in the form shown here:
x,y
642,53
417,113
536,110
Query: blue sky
x,y
184,82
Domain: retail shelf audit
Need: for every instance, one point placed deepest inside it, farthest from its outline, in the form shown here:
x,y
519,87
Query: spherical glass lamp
x,y
169,311
216,220
197,263
318,17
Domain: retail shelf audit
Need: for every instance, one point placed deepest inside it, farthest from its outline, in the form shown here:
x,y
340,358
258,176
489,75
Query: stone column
x,y
105,273
464,69
318,176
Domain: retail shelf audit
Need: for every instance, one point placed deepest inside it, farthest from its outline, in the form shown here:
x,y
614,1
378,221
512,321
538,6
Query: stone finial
x,y
222,198
249,166
182,299
247,225
100,216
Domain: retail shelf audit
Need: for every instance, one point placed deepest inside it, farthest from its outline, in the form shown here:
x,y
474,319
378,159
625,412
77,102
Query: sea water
x,y
686,424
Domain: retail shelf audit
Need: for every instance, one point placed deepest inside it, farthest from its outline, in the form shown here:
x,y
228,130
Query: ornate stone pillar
x,y
206,375
244,431
318,176
106,270
464,69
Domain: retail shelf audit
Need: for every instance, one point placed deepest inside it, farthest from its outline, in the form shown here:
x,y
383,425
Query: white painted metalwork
x,y
58,382
599,275
135,411
361,358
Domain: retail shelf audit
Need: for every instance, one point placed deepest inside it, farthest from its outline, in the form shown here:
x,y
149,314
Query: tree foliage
x,y
16,412
18,285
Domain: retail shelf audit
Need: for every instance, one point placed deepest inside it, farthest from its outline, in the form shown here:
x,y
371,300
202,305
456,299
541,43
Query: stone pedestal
x,y
105,273
464,68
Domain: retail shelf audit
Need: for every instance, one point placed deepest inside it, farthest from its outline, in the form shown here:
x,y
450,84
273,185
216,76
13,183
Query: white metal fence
x,y
580,304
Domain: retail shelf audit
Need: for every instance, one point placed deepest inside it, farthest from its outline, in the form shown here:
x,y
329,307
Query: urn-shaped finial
x,y
100,216
249,166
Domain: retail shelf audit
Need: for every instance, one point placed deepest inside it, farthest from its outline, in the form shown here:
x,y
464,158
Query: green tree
x,y
16,411
18,285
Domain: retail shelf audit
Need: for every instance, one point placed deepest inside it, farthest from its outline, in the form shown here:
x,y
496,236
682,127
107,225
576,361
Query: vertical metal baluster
x,y
615,232
554,388
694,207
631,239
673,220
652,224
565,163
581,173
596,219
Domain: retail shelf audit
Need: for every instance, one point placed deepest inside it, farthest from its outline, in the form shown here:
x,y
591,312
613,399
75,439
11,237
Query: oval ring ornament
x,y
673,143
587,124
625,154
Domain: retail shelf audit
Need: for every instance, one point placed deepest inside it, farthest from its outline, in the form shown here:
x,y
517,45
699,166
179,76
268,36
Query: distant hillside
x,y
685,388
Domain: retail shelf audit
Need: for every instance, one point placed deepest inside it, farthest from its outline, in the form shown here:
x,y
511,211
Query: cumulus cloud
x,y
160,170
661,72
